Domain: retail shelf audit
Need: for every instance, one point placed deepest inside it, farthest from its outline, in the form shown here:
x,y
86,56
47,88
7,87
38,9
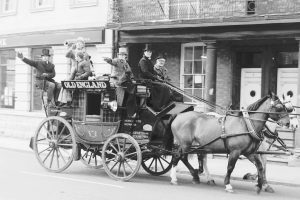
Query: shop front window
x,y
193,69
7,79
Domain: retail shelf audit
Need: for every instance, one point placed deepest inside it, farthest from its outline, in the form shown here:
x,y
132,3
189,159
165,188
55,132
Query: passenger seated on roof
x,y
122,77
82,70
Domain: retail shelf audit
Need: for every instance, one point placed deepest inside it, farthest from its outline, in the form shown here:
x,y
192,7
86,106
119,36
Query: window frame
x,y
76,4
13,97
13,11
36,8
182,73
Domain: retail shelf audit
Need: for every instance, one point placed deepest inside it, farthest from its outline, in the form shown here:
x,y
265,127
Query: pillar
x,y
210,74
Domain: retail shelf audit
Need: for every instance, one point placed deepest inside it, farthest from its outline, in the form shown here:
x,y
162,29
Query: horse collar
x,y
250,127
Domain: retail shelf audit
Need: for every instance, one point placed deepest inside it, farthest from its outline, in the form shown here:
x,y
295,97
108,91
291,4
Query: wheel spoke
x,y
124,170
61,156
112,159
60,133
155,164
113,166
90,158
129,166
64,145
52,156
151,163
57,158
113,147
124,144
51,125
47,155
128,148
146,159
161,164
165,160
48,132
119,169
64,138
130,154
118,145
44,150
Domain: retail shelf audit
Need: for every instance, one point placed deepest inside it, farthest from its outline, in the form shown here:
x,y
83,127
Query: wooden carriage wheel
x,y
157,165
54,144
121,157
91,157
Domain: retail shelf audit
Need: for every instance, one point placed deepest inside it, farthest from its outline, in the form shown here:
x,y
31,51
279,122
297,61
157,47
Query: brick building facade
x,y
249,46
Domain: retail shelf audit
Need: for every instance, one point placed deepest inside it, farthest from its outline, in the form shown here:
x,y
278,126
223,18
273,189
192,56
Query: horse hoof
x,y
211,182
196,181
229,190
269,189
258,189
174,183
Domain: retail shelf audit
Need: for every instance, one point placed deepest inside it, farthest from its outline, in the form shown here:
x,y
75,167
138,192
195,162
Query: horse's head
x,y
279,111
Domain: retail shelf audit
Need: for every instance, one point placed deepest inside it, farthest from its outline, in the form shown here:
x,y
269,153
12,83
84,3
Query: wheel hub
x,y
53,144
120,157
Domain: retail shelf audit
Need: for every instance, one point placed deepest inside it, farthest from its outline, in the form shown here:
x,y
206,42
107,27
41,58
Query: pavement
x,y
277,174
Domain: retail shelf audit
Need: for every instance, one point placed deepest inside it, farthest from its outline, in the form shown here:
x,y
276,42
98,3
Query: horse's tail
x,y
169,138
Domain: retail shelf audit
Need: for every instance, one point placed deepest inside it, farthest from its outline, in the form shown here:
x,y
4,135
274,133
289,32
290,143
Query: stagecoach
x,y
97,130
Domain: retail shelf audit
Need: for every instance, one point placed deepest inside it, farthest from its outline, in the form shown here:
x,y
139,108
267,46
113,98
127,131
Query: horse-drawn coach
x,y
97,130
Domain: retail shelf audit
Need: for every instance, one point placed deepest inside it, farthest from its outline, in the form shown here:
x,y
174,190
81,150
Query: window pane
x,y
188,53
188,91
197,67
188,81
199,82
7,79
199,93
188,67
204,66
198,52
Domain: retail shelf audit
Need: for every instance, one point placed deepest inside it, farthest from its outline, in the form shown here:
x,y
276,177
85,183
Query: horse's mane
x,y
254,106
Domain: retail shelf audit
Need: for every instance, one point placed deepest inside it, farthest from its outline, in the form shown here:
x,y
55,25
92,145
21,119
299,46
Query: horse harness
x,y
249,125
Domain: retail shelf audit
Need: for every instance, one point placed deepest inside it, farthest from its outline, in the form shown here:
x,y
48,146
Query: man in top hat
x,y
160,93
45,73
146,66
122,76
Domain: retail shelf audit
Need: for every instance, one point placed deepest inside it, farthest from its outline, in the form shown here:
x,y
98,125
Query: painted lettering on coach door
x,y
85,84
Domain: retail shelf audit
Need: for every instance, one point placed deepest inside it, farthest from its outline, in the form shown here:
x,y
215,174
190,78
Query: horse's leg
x,y
200,157
173,176
210,180
233,157
193,172
202,160
258,162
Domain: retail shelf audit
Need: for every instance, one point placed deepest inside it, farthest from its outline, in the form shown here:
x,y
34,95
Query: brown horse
x,y
235,135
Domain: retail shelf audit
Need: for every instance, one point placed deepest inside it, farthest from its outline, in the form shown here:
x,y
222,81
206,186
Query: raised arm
x,y
27,61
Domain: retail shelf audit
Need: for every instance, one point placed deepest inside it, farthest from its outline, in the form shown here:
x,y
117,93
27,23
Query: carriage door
x,y
250,86
287,82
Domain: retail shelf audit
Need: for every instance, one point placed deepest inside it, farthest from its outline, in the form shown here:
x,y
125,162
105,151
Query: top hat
x,y
45,52
160,56
123,50
148,47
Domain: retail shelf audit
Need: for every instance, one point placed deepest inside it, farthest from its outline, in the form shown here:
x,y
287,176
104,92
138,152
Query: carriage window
x,y
7,79
93,103
193,69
